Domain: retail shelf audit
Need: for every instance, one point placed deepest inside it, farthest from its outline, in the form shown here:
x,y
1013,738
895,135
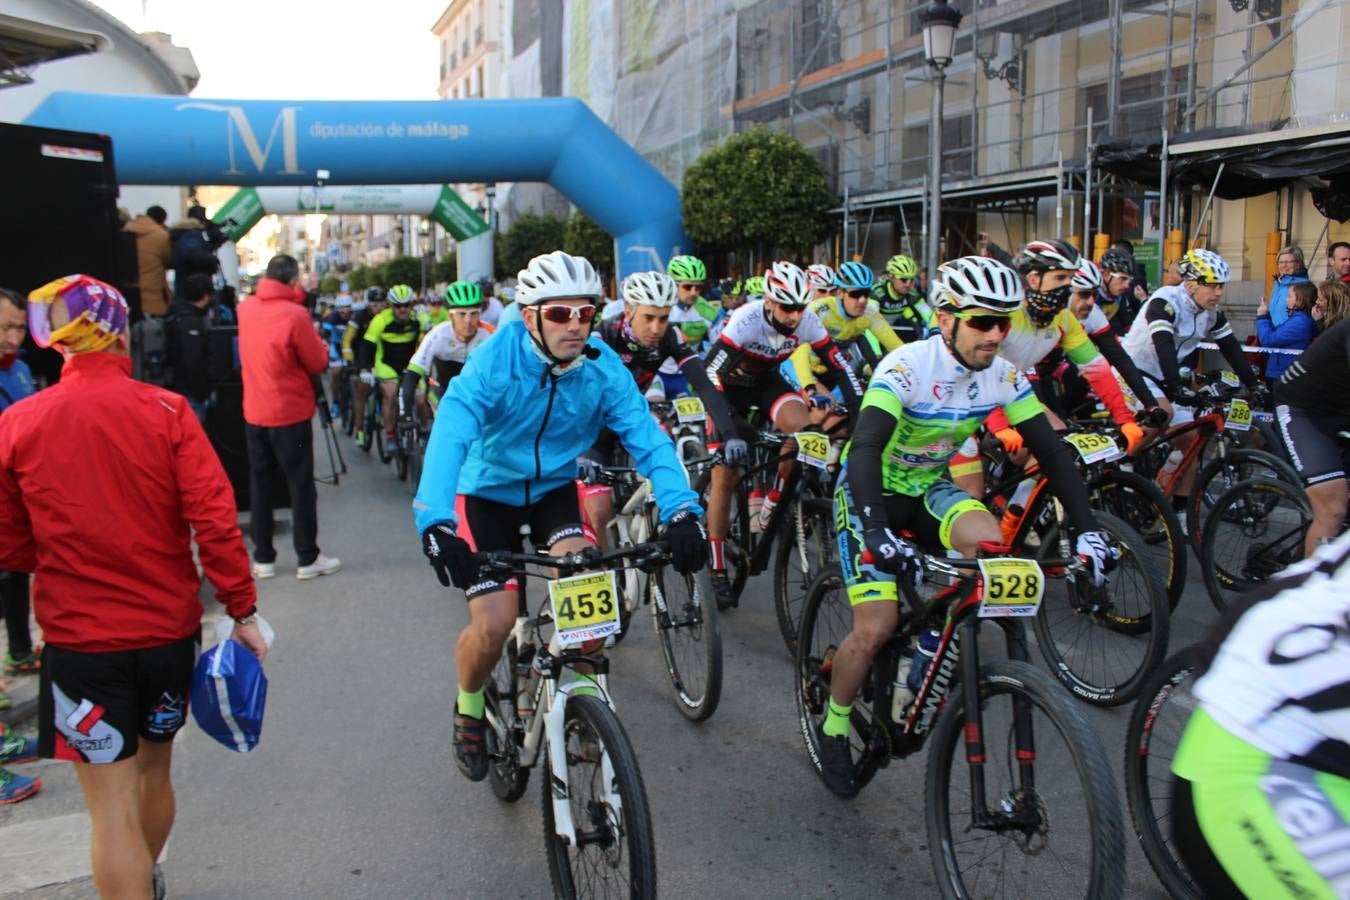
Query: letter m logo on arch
x,y
239,132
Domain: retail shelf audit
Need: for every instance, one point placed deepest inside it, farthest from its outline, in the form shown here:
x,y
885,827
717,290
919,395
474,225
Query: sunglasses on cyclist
x,y
561,315
792,307
857,295
691,286
466,311
986,323
1083,295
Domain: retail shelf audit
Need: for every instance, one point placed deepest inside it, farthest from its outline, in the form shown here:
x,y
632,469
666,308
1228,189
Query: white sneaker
x,y
263,570
322,565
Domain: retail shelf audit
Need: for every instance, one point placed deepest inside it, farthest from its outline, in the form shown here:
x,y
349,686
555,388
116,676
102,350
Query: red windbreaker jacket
x,y
278,350
103,482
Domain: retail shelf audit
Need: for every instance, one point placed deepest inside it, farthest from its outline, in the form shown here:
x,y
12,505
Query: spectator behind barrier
x,y
192,251
1296,332
1338,261
1289,270
154,254
187,343
1333,303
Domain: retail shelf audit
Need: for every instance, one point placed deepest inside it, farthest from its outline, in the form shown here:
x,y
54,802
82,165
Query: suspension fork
x,y
974,724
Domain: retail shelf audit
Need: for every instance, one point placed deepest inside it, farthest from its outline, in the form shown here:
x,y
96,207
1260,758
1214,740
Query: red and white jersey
x,y
749,347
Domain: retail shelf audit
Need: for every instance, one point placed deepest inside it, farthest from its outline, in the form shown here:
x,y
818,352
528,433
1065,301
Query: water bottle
x,y
924,654
527,666
901,695
756,503
1170,466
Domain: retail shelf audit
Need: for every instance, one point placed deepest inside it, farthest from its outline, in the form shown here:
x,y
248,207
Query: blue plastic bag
x,y
229,695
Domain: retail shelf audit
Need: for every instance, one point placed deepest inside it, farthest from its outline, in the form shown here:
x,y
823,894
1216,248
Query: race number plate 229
x,y
585,607
813,448
689,410
1012,587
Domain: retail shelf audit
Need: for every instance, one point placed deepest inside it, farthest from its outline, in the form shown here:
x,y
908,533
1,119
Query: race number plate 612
x,y
813,448
1012,587
585,607
689,410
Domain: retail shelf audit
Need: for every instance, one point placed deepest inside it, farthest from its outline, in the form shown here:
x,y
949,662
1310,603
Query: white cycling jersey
x,y
1171,309
1281,678
492,311
442,344
749,347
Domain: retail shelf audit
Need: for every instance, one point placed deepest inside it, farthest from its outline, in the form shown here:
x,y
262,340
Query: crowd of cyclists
x,y
924,389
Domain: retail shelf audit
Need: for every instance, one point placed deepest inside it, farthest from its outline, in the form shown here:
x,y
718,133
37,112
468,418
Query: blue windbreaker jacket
x,y
509,432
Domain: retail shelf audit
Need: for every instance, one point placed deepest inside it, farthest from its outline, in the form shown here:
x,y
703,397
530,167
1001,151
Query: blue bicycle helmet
x,y
854,276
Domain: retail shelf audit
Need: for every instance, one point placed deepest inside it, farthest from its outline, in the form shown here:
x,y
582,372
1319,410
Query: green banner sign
x,y
455,216
240,213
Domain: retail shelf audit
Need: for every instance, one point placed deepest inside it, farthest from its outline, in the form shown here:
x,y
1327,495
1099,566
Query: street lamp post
x,y
424,231
939,46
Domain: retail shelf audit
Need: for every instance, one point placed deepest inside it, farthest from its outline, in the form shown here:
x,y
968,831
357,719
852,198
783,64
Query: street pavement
x,y
352,792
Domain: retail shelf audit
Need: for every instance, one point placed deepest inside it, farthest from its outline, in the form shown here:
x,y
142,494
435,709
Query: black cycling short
x,y
1311,442
95,707
769,393
488,525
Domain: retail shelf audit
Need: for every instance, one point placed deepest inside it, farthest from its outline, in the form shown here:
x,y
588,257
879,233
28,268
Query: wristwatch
x,y
248,618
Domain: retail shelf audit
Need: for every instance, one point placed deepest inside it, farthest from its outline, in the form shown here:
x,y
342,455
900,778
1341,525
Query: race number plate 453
x,y
689,410
1239,416
813,448
585,607
1012,587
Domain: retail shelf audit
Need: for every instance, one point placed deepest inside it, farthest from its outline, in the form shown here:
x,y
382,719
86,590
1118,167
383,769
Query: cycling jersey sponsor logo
x,y
770,350
82,726
973,391
167,715
902,376
1310,819
942,390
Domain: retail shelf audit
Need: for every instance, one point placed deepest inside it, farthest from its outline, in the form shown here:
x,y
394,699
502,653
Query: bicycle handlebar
x,y
646,553
942,565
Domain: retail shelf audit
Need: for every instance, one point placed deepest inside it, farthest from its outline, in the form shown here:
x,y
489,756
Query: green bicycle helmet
x,y
400,295
754,286
901,266
687,268
463,294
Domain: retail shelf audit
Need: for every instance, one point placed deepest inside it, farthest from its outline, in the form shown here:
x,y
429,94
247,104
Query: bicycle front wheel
x,y
415,465
505,774
1051,820
615,851
688,629
1151,739
1141,504
1102,643
1256,530
803,552
1221,474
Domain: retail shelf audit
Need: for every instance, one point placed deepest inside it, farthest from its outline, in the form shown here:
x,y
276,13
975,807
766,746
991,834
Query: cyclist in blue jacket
x,y
503,453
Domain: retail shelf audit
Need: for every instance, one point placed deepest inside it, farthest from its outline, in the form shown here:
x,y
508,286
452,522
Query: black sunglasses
x,y
987,323
856,294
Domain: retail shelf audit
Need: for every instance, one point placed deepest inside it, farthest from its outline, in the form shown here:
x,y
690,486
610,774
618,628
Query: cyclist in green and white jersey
x,y
692,314
1260,803
902,304
924,400
442,353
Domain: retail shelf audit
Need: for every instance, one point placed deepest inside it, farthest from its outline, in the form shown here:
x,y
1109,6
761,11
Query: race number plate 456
x,y
1094,447
585,607
689,410
1012,587
813,448
1239,416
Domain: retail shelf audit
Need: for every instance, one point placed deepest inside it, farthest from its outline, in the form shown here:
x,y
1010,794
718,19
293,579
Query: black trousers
x,y
14,605
289,450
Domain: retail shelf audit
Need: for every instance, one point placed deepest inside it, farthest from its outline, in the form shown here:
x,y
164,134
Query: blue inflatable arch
x,y
185,140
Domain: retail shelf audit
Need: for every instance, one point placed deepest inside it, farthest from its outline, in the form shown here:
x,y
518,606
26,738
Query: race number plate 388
x,y
585,607
1012,587
689,410
1239,416
813,448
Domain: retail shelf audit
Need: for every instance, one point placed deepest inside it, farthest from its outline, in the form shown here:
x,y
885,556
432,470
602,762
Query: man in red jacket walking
x,y
281,353
104,484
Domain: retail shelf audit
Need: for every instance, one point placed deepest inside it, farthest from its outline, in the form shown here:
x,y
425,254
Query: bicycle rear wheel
x,y
615,852
507,778
802,554
827,618
738,544
1141,504
1221,474
1065,792
415,464
1151,739
1102,643
1255,531
691,639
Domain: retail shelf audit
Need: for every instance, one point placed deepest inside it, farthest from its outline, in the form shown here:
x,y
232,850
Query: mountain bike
x,y
374,426
1048,776
687,626
1255,530
597,824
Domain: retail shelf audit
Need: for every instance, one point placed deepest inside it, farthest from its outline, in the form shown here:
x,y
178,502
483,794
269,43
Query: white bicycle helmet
x,y
554,276
649,289
820,276
1088,277
786,283
978,283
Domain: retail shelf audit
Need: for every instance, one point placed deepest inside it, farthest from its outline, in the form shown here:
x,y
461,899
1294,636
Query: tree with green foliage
x,y
446,269
330,284
358,279
528,237
583,237
401,270
759,192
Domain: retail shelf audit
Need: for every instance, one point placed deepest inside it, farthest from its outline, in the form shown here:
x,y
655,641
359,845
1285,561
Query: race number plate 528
x,y
585,607
689,410
1012,587
813,448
